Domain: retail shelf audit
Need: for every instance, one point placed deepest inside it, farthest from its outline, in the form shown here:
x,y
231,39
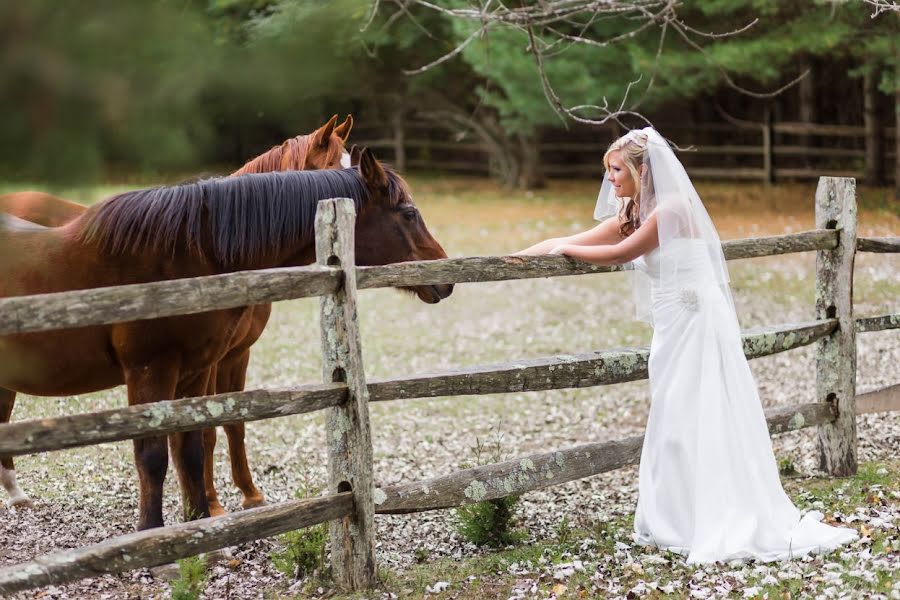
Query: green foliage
x,y
192,578
489,522
786,467
303,552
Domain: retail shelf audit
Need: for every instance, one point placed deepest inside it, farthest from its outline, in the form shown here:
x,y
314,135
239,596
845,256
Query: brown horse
x,y
322,149
203,228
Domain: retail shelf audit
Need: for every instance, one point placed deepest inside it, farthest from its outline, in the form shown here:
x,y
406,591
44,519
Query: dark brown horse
x,y
208,227
322,149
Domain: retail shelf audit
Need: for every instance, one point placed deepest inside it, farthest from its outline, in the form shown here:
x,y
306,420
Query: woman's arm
x,y
606,232
642,241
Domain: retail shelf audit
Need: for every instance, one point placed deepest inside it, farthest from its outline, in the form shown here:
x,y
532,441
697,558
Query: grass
x,y
497,574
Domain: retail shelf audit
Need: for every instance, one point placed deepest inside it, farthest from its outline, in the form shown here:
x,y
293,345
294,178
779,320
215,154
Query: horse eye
x,y
410,215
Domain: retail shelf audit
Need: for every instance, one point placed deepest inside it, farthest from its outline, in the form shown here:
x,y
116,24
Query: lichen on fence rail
x,y
115,304
547,469
157,418
576,370
163,545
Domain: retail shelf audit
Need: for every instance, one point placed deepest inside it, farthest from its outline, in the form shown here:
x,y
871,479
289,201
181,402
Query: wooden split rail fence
x,y
352,500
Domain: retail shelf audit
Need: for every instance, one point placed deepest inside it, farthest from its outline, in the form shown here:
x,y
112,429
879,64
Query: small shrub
x,y
786,467
303,553
489,522
191,580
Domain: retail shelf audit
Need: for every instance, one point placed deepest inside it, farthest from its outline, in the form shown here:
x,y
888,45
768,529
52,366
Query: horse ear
x,y
355,151
343,130
323,133
372,171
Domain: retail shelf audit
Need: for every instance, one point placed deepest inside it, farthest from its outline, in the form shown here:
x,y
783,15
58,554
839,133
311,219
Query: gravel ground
x,y
86,495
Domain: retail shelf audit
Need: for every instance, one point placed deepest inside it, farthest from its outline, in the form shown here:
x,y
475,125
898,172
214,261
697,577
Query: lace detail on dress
x,y
689,298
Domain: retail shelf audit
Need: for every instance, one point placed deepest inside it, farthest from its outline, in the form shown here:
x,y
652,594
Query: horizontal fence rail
x,y
878,244
547,469
879,323
158,418
163,545
886,399
576,370
121,303
43,312
502,268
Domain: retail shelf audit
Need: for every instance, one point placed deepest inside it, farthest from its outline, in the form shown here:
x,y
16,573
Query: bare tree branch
x,y
881,6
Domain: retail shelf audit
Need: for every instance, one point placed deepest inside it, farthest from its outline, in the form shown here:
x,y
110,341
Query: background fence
x,y
352,500
765,151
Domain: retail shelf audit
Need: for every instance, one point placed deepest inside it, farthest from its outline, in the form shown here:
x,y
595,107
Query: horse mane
x,y
238,219
290,155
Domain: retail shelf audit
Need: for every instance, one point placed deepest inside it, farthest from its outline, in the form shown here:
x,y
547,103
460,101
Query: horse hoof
x,y
254,502
217,511
21,503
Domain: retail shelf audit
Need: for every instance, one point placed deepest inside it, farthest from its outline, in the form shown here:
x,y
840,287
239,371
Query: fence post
x,y
347,428
836,354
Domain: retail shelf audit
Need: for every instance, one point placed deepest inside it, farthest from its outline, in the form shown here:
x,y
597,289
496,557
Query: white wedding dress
x,y
709,486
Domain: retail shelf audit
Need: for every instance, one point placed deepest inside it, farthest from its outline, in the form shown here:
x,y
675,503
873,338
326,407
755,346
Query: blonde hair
x,y
630,147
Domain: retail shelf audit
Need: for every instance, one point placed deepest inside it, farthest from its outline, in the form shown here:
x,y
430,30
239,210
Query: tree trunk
x,y
398,125
530,175
768,145
807,110
897,137
874,173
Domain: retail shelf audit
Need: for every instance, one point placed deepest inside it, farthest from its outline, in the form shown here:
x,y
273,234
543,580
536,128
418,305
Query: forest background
x,y
98,90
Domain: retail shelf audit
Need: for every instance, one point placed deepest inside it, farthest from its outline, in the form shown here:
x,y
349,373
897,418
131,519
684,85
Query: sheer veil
x,y
690,251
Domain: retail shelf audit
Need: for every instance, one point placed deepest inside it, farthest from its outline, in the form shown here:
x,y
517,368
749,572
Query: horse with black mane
x,y
321,149
203,228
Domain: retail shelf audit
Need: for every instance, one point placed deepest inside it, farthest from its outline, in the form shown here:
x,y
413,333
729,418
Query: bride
x,y
708,483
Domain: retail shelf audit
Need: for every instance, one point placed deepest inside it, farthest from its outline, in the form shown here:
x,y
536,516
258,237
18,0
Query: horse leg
x,y
17,497
151,456
188,455
232,377
209,465
212,497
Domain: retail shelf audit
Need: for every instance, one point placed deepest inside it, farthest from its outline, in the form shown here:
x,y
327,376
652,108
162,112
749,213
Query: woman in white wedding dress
x,y
708,483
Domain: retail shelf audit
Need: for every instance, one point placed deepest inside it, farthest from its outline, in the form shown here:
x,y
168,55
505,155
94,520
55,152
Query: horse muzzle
x,y
432,294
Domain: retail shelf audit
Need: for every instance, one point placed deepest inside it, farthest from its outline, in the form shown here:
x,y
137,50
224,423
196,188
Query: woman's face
x,y
620,177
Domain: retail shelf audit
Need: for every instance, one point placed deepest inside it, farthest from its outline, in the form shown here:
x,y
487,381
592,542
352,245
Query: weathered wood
x,y
878,244
547,469
348,431
502,268
121,303
165,544
576,370
886,399
474,268
805,241
836,354
879,323
791,418
57,433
